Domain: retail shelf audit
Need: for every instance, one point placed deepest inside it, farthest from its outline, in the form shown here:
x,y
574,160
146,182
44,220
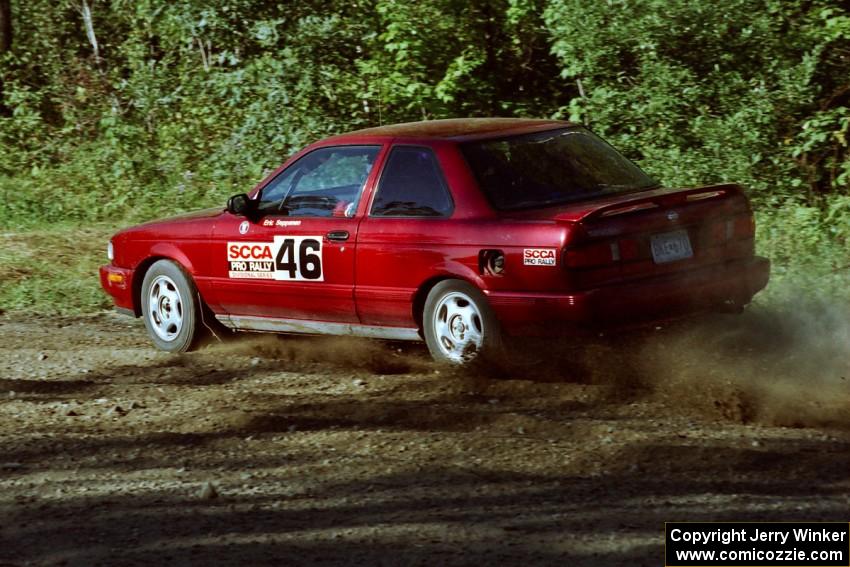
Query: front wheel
x,y
458,324
170,307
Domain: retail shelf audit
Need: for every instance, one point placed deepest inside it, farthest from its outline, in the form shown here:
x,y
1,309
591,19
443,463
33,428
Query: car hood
x,y
162,227
212,212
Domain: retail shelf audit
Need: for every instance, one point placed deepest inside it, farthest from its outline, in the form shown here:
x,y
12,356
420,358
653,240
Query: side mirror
x,y
240,205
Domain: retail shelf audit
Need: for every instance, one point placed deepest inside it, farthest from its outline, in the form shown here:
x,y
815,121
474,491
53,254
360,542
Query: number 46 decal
x,y
298,258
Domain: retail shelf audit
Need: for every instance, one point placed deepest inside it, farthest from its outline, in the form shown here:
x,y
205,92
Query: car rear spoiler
x,y
658,198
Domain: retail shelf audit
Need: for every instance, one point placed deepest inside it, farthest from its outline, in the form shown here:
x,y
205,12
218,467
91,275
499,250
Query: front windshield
x,y
325,182
551,168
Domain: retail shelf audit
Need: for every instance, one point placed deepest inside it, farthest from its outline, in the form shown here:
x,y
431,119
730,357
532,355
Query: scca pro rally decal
x,y
287,258
539,257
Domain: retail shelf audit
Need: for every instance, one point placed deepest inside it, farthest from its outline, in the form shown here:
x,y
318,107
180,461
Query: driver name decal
x,y
287,258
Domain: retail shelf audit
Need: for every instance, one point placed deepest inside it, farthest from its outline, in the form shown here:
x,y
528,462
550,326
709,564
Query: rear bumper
x,y
723,286
118,282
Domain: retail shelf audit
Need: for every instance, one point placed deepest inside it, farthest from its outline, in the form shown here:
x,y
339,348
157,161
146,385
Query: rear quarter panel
x,y
398,258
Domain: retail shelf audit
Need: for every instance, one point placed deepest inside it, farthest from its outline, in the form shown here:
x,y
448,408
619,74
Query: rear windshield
x,y
550,168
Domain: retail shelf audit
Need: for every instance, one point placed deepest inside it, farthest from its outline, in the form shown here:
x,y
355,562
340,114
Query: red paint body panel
x,y
378,274
331,299
613,306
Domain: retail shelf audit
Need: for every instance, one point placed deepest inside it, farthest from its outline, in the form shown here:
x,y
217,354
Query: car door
x,y
294,259
407,237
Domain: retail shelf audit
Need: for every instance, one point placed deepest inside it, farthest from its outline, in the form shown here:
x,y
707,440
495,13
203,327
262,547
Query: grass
x,y
53,271
810,258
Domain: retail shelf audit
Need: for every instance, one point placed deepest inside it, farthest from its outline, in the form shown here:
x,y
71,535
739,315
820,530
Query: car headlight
x,y
110,251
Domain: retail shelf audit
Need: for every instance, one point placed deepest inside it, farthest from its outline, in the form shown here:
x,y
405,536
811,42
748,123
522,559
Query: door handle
x,y
338,235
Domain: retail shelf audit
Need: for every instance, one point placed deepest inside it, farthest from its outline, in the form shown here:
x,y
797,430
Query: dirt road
x,y
290,451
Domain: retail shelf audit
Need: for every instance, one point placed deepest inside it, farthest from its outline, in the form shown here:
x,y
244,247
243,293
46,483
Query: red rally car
x,y
460,233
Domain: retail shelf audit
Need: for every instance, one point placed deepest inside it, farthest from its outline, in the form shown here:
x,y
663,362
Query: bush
x,y
188,102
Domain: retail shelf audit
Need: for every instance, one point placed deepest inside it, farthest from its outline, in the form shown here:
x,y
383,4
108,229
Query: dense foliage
x,y
162,105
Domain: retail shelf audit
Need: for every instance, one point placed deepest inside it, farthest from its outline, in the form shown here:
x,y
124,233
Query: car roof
x,y
456,128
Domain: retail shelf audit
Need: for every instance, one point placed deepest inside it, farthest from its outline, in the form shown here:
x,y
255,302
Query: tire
x,y
458,324
170,307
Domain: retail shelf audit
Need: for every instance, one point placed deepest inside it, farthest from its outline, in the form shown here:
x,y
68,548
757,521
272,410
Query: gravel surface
x,y
280,451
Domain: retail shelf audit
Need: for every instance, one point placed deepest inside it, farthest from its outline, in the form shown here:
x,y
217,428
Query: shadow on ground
x,y
443,514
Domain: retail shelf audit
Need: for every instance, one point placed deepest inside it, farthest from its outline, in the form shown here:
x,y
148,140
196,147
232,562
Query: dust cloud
x,y
350,353
781,362
786,362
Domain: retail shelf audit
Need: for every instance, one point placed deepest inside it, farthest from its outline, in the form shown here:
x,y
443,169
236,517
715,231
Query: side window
x,y
326,182
412,185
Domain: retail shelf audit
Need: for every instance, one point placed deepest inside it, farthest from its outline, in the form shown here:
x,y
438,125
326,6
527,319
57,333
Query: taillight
x,y
590,255
717,231
740,227
743,226
628,248
601,253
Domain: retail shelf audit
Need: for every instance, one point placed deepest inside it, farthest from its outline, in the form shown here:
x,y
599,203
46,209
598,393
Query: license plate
x,y
671,246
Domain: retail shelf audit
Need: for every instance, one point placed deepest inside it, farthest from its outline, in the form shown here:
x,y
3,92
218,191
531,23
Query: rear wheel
x,y
170,307
458,324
